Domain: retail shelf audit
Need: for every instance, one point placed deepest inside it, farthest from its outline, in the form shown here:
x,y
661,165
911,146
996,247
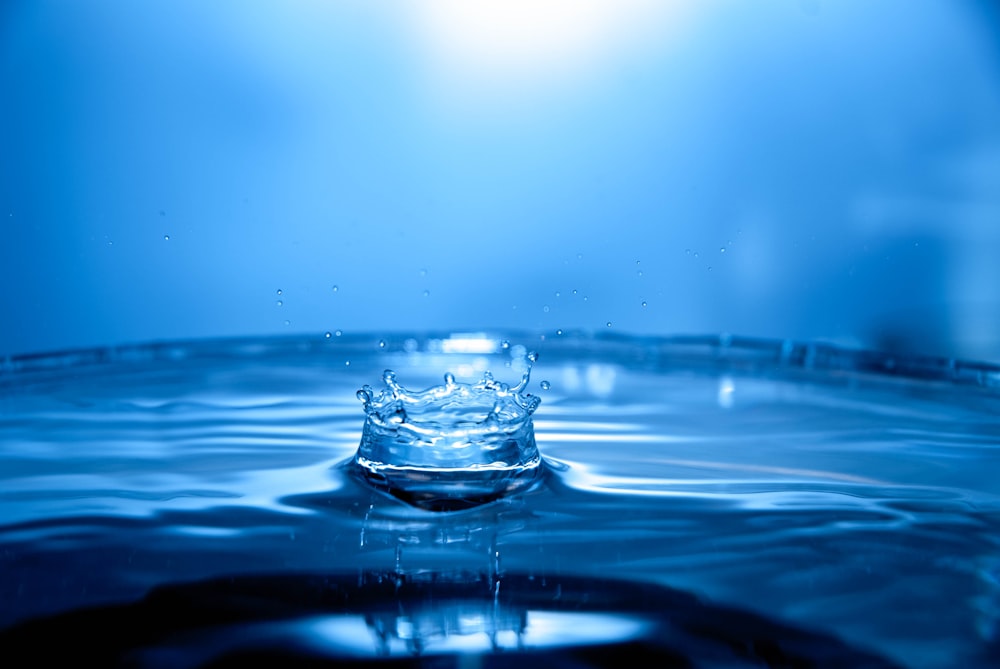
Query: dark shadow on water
x,y
438,618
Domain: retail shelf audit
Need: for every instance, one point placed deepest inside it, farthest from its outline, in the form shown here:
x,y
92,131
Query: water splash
x,y
449,446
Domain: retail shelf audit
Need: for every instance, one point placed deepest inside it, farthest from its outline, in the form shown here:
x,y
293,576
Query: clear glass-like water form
x,y
700,502
453,445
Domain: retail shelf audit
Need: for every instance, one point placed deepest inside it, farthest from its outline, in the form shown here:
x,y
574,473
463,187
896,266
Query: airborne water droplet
x,y
279,291
545,385
279,303
327,335
381,343
166,238
336,288
609,323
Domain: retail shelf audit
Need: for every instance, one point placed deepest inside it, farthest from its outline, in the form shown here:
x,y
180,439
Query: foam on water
x,y
708,501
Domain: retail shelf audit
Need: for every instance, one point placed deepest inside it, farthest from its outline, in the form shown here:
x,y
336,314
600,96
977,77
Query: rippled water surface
x,y
778,505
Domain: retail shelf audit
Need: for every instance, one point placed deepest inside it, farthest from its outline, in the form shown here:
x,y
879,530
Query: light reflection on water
x,y
846,501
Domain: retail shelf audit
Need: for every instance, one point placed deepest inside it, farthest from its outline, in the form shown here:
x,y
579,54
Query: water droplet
x,y
381,343
545,308
545,385
722,250
532,357
585,298
687,252
288,322
558,332
327,335
336,288
579,256
504,344
696,254
709,268
347,363
644,303
557,293
279,291
639,273
449,379
423,272
337,333
609,323
574,291
427,293
166,238
279,303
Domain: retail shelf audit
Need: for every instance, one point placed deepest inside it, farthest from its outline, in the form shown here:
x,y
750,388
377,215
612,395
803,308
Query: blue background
x,y
805,169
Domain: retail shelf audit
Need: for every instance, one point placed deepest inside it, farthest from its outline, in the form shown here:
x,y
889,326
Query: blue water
x,y
703,502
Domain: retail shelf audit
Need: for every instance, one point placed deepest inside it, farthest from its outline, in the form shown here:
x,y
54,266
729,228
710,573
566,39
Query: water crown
x,y
450,446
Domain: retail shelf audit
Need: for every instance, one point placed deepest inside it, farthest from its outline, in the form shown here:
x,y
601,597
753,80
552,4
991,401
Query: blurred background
x,y
812,169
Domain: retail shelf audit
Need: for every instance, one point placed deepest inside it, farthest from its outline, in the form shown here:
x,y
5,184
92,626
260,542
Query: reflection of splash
x,y
444,618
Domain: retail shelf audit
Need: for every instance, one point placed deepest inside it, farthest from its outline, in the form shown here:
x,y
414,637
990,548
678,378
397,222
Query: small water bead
x,y
609,323
545,385
427,293
558,332
288,322
166,238
644,303
338,333
327,335
545,308
505,344
336,288
279,291
279,303
381,343
722,250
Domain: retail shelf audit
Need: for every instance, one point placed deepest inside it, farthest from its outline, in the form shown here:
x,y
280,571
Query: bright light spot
x,y
528,38
726,390
469,343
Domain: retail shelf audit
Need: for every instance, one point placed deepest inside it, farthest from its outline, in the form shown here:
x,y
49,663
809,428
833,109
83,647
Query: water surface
x,y
781,503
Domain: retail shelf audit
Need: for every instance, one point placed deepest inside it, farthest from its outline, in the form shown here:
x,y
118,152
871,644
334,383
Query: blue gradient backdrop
x,y
805,169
